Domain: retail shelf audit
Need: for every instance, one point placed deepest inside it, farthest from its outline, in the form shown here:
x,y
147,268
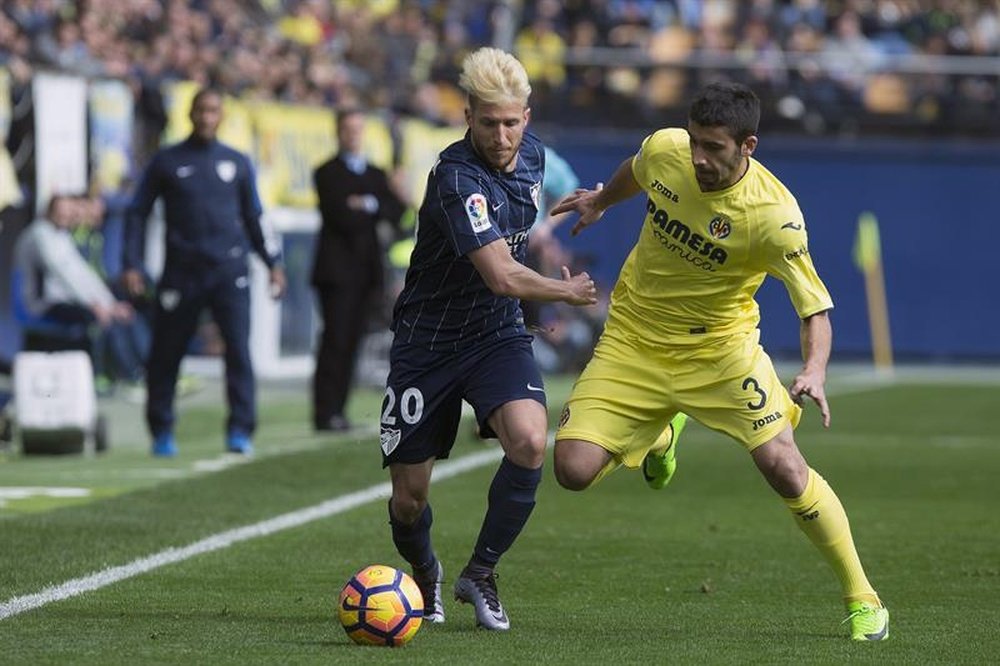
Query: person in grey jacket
x,y
57,287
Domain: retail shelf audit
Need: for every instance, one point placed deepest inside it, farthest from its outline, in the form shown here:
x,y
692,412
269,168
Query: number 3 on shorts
x,y
411,406
753,385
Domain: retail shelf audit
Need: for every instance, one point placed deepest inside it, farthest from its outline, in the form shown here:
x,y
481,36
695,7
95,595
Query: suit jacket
x,y
348,252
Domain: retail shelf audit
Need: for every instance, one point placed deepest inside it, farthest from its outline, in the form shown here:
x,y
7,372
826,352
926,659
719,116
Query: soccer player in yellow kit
x,y
682,337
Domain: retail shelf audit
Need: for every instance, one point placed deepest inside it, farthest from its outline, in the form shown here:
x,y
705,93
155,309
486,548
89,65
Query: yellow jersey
x,y
701,256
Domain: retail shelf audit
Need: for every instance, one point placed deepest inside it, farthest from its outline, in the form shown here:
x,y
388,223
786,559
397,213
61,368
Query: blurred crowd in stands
x,y
818,66
825,67
821,65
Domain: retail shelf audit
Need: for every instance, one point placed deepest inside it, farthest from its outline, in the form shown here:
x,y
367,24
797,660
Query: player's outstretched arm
x,y
816,338
505,276
591,204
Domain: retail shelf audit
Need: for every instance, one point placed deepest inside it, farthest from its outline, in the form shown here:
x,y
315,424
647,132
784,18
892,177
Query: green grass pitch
x,y
710,570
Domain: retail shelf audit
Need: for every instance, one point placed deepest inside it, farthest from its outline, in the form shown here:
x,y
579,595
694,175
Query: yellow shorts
x,y
631,389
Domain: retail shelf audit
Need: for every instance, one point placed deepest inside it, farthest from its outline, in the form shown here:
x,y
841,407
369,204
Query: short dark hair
x,y
730,105
206,92
54,201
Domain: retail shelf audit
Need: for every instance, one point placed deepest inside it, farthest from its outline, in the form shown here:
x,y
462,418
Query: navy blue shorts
x,y
423,396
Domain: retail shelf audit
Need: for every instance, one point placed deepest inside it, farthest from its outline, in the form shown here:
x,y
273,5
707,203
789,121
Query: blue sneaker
x,y
164,445
237,442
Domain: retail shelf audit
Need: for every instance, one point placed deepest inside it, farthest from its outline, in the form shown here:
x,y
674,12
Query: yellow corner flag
x,y
868,258
867,243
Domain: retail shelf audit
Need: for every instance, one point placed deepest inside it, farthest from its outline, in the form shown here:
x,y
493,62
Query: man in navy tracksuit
x,y
212,216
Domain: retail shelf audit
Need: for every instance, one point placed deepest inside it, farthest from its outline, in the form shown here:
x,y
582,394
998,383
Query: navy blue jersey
x,y
210,206
445,304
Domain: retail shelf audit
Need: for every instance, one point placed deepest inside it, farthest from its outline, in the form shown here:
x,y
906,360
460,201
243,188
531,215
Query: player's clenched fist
x,y
582,288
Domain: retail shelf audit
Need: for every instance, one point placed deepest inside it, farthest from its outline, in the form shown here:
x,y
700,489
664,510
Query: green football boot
x,y
868,622
658,468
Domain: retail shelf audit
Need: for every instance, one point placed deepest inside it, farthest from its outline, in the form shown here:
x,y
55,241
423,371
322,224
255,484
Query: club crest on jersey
x,y
170,299
564,417
536,189
720,227
226,170
476,209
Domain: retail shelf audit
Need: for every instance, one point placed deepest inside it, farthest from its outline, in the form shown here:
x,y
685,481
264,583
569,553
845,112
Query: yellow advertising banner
x,y
291,142
285,142
111,129
236,129
421,144
378,143
10,190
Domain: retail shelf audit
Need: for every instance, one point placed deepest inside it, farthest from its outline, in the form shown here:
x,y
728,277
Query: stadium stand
x,y
919,70
826,66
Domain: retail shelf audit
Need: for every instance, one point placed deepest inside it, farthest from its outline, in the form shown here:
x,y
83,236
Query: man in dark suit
x,y
354,197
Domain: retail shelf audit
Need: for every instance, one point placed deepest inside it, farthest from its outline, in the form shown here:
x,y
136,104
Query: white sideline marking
x,y
331,507
24,492
220,462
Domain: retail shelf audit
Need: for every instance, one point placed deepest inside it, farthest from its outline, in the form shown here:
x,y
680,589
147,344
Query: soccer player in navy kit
x,y
212,216
460,334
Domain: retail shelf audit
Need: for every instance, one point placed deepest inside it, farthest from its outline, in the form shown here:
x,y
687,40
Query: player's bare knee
x,y
570,476
570,481
527,450
406,508
576,465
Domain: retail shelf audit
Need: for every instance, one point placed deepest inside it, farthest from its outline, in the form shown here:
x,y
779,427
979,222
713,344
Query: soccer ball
x,y
381,605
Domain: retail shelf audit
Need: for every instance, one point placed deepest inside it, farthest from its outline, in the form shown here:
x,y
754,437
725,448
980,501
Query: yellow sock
x,y
819,513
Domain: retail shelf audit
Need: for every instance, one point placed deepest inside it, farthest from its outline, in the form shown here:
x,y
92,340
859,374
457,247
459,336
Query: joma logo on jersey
x,y
763,421
801,252
704,249
664,190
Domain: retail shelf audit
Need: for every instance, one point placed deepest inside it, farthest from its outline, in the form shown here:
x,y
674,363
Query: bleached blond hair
x,y
493,76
